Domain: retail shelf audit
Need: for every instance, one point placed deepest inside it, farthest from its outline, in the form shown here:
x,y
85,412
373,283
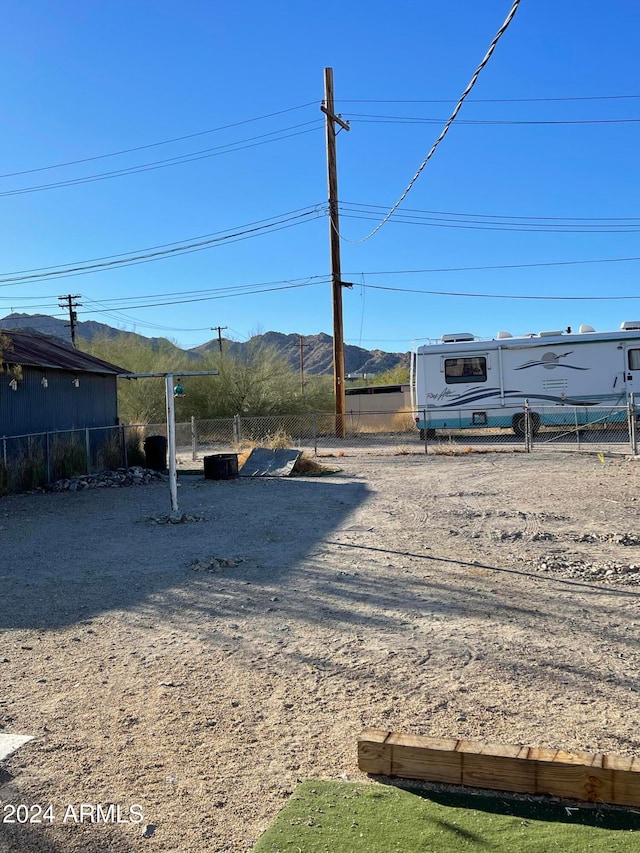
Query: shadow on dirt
x,y
67,557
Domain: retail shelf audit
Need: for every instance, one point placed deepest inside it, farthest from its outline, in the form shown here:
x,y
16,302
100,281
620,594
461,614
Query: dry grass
x,y
307,466
452,450
405,450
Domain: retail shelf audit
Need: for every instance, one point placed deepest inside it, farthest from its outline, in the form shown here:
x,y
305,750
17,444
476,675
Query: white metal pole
x,y
171,437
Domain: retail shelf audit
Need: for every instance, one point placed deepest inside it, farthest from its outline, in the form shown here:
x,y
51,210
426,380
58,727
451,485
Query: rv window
x,y
634,359
471,369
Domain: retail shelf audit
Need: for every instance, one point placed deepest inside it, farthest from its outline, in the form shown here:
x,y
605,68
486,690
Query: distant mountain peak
x,y
317,351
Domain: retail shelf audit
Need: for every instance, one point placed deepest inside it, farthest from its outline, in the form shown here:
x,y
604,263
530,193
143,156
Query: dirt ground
x,y
191,674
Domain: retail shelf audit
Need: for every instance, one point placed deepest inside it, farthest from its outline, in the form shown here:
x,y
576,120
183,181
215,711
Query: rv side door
x,y
632,369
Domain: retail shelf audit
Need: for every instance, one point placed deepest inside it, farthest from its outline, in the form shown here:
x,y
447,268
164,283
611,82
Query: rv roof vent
x,y
586,328
457,338
502,335
549,334
630,325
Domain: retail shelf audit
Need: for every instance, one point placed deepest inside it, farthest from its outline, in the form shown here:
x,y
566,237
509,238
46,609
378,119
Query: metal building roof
x,y
33,350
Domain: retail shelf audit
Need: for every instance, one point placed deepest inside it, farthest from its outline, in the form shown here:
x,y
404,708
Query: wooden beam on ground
x,y
522,769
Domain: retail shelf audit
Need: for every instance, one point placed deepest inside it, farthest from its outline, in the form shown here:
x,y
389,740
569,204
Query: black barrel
x,y
155,451
222,466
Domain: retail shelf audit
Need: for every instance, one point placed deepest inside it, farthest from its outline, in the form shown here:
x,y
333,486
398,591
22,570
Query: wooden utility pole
x,y
334,240
71,303
219,328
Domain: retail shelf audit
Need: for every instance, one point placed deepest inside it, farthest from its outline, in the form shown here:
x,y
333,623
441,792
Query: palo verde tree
x,y
140,400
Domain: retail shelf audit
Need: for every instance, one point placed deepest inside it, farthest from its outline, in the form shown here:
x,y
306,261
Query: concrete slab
x,y
11,743
263,462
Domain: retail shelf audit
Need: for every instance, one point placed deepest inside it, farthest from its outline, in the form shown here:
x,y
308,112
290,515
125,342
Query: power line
x,y
373,119
151,300
132,260
451,119
156,144
196,134
488,100
404,218
173,161
309,208
537,297
501,267
595,219
247,292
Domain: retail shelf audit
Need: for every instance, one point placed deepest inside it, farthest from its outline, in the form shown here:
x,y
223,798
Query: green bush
x,y
68,458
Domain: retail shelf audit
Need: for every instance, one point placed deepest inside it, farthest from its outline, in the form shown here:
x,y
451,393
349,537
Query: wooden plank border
x,y
522,769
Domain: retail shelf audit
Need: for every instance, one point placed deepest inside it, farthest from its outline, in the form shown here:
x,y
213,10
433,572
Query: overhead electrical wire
x,y
155,144
499,267
231,147
111,306
210,298
288,213
451,119
529,217
84,268
374,119
133,149
538,297
487,100
485,222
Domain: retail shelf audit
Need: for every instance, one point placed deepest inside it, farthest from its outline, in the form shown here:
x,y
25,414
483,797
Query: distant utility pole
x,y
302,346
334,240
219,328
71,304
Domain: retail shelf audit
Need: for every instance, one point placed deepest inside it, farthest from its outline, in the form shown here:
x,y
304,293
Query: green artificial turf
x,y
343,817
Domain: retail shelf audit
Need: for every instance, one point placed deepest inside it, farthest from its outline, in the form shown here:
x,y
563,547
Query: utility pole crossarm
x,y
219,329
71,304
338,119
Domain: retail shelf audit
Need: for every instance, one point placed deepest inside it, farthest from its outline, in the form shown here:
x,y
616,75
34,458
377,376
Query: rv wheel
x,y
519,422
535,423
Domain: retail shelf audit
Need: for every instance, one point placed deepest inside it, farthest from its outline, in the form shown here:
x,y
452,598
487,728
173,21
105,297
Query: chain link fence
x,y
562,427
582,428
31,461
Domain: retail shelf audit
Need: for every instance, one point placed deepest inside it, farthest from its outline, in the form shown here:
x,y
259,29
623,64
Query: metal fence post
x,y
237,429
314,421
47,457
633,424
87,444
194,439
527,427
425,431
125,460
575,419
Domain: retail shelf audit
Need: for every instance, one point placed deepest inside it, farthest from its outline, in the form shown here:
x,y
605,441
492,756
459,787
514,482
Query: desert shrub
x,y
110,455
68,458
27,471
134,448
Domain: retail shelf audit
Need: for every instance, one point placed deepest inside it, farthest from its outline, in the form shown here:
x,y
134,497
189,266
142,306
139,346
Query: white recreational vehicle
x,y
465,382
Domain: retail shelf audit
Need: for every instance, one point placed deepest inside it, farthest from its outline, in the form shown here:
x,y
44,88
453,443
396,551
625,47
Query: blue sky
x,y
534,187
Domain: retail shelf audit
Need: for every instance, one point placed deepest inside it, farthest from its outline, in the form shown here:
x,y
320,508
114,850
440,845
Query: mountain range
x,y
317,350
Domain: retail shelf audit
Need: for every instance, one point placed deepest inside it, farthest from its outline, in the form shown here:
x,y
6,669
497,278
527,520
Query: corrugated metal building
x,y
54,388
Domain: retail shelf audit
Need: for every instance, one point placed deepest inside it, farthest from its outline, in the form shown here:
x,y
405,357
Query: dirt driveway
x,y
189,675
